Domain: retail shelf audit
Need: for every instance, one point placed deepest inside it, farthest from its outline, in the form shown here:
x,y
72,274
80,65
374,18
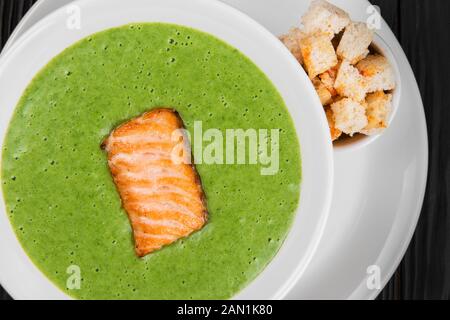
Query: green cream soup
x,y
59,193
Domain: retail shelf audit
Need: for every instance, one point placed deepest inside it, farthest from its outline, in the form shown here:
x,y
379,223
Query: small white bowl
x,y
351,144
50,36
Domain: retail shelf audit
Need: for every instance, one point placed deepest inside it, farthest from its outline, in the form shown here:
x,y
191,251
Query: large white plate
x,y
50,36
378,189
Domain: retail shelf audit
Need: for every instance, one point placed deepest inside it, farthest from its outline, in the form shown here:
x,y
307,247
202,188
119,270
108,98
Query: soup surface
x,y
59,193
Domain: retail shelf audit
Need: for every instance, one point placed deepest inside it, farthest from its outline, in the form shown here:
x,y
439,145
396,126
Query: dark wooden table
x,y
422,27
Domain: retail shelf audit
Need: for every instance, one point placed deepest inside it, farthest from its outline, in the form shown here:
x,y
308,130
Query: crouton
x,y
322,91
355,42
378,73
378,109
350,83
292,42
328,78
318,54
335,133
349,116
323,17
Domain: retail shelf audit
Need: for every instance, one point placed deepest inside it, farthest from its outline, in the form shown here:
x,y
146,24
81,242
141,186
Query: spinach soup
x,y
61,198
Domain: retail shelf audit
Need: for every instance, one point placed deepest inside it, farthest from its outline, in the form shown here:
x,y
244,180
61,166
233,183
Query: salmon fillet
x,y
163,198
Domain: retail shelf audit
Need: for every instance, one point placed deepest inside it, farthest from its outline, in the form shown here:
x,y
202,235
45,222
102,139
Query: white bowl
x,y
360,141
50,36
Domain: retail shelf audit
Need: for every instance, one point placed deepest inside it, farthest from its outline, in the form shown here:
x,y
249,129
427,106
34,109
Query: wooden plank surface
x,y
422,28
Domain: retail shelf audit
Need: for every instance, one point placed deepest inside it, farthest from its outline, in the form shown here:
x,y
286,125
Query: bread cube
x,y
378,73
318,54
335,133
378,109
322,91
350,83
292,42
355,42
349,116
323,17
328,78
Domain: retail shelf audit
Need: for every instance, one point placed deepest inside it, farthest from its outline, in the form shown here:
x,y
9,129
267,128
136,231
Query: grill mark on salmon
x,y
164,200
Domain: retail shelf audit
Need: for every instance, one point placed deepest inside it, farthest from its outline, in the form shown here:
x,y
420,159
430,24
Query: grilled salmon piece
x,y
163,197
